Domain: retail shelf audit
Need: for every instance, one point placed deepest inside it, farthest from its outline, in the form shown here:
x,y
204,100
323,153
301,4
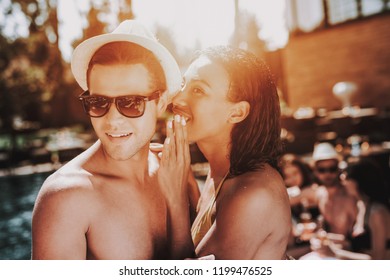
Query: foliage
x,y
31,67
35,81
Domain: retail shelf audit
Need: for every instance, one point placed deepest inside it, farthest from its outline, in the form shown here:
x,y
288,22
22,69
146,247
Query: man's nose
x,y
113,114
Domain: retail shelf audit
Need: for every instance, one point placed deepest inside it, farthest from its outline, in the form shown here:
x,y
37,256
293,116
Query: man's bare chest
x,y
128,226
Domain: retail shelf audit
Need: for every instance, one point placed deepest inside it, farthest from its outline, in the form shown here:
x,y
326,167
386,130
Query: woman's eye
x,y
197,90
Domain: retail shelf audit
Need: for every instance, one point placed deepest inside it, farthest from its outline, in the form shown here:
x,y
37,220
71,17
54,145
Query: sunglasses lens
x,y
96,106
131,106
332,169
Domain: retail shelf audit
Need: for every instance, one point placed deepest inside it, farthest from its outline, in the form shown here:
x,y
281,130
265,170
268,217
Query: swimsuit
x,y
201,226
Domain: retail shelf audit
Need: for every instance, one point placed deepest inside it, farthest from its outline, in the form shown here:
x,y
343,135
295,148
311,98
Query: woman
x,y
298,177
299,180
364,181
295,172
229,106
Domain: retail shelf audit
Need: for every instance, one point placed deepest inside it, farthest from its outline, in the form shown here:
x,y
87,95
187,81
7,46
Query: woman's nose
x,y
180,98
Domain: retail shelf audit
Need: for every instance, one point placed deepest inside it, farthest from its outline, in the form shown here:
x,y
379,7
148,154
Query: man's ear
x,y
239,112
162,104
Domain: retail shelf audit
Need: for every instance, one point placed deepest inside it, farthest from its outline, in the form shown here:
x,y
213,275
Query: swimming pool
x,y
17,198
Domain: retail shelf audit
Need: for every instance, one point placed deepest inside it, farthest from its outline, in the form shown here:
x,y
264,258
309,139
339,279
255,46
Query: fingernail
x,y
177,118
167,140
170,124
183,121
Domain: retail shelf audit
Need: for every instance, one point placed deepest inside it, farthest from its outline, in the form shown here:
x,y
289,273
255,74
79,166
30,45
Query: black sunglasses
x,y
331,169
131,106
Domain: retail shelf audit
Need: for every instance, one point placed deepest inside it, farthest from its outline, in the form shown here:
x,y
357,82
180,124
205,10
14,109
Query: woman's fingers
x,y
176,147
181,140
178,137
186,143
168,153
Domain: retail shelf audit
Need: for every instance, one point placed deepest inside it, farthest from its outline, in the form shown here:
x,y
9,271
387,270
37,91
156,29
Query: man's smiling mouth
x,y
118,135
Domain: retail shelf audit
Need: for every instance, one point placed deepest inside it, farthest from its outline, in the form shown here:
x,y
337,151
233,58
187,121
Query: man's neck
x,y
135,168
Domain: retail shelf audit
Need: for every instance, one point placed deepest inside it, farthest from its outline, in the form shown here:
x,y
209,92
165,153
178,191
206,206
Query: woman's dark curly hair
x,y
370,180
256,140
307,173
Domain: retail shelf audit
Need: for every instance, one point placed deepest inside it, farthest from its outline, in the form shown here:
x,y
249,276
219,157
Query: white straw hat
x,y
128,31
324,151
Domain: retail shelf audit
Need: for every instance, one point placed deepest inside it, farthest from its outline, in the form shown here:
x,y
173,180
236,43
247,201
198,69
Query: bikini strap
x,y
220,185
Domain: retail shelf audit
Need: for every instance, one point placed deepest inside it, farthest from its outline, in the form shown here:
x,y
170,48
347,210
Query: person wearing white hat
x,y
326,162
106,203
339,209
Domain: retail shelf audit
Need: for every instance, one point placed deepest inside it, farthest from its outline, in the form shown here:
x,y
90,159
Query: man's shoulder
x,y
66,185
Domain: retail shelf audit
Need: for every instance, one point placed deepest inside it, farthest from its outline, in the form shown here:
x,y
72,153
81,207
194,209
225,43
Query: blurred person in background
x,y
338,209
297,177
364,180
232,112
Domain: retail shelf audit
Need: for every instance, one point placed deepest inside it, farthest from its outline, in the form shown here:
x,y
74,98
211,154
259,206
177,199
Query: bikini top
x,y
202,225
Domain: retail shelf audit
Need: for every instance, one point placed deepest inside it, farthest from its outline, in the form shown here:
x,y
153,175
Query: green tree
x,y
32,67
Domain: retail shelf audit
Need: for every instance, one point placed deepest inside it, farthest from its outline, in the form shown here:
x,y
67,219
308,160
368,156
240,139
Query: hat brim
x,y
84,52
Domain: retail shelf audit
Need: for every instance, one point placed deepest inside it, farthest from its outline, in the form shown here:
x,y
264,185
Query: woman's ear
x,y
162,104
239,112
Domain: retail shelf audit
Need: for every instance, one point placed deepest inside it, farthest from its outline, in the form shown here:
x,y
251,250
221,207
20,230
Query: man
x,y
105,203
339,210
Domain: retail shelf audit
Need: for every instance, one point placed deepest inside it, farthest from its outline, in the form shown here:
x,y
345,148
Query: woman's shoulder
x,y
265,179
378,217
260,187
378,209
258,196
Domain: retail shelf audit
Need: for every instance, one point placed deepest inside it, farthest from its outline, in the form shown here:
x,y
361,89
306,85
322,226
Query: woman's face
x,y
203,100
292,176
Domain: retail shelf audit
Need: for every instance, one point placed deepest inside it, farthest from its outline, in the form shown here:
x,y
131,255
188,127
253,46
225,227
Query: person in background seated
x,y
364,180
297,176
338,208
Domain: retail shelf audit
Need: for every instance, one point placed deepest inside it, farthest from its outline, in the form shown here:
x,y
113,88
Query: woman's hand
x,y
173,180
175,162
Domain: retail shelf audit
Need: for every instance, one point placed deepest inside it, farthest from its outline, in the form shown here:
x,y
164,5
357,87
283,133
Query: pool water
x,y
17,198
